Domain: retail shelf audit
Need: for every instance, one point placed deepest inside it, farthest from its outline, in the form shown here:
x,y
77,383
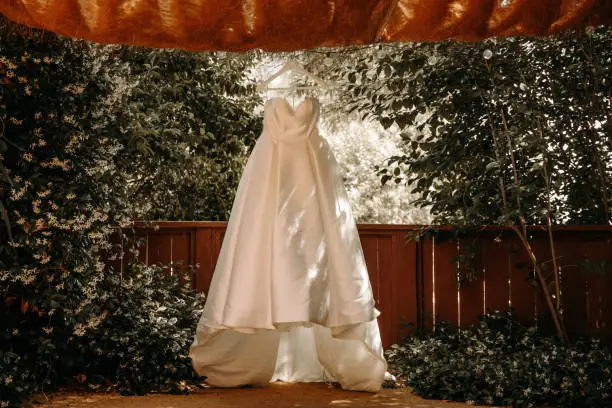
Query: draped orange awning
x,y
238,25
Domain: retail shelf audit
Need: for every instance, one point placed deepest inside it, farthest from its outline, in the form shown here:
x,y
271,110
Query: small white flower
x,y
79,331
45,258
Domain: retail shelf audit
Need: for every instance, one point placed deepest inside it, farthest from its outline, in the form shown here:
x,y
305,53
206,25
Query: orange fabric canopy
x,y
238,25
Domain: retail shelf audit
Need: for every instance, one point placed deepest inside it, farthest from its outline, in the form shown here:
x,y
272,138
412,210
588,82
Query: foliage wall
x,y
186,125
359,148
78,127
58,208
492,130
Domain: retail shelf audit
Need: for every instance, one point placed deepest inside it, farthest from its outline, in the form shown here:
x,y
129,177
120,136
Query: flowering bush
x,y
65,318
500,362
142,343
58,207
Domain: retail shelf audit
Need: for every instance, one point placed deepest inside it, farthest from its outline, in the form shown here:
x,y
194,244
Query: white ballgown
x,y
290,298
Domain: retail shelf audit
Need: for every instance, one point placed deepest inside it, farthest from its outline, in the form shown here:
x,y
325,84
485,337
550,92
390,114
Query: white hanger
x,y
295,67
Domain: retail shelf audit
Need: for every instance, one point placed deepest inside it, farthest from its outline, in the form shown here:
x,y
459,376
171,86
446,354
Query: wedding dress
x,y
290,298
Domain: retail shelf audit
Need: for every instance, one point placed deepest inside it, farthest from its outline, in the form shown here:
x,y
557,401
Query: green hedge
x,y
501,362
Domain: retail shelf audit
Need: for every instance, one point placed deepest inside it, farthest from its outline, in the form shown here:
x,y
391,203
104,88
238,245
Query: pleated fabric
x,y
282,25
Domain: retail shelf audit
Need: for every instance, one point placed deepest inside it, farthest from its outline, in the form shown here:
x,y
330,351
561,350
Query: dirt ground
x,y
276,395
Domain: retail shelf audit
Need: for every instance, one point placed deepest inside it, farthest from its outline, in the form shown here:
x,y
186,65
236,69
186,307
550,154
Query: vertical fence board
x,y
606,330
521,289
445,270
181,248
497,266
573,284
607,290
403,309
383,278
428,300
385,274
595,251
540,245
160,248
471,293
203,259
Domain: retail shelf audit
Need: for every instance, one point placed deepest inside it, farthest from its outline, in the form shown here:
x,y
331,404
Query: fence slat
x,y
371,256
160,248
445,270
472,293
606,329
573,284
385,282
543,252
497,266
181,247
427,293
599,284
204,259
403,308
521,289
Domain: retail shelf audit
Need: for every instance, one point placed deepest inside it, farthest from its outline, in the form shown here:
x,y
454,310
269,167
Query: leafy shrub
x,y
501,362
529,113
65,317
136,340
142,344
186,124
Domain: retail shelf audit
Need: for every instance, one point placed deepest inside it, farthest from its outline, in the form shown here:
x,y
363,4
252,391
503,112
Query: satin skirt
x,y
290,298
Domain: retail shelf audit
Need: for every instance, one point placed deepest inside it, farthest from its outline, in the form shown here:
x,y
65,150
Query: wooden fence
x,y
416,282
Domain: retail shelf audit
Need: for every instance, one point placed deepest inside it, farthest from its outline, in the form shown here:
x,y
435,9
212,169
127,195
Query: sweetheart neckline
x,y
294,112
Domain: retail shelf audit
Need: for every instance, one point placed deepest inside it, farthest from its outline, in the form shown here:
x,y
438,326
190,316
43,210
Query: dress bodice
x,y
284,124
